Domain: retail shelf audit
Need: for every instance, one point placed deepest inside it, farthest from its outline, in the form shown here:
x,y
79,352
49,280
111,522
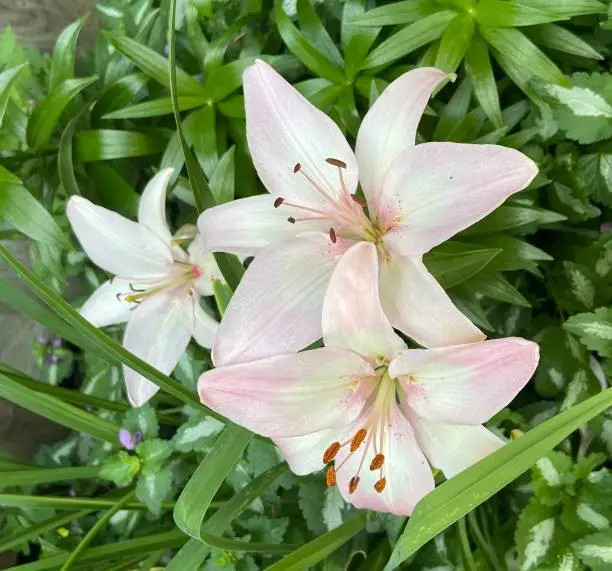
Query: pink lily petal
x,y
284,129
453,447
277,305
289,395
116,244
245,226
408,475
416,304
434,190
158,332
390,127
205,326
304,454
465,384
352,316
205,261
105,306
152,206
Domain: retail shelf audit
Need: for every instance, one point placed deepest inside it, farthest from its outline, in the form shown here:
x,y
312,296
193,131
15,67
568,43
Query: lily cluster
x,y
328,263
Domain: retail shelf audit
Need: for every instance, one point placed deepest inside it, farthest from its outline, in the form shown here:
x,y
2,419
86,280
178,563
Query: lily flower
x,y
376,413
416,196
156,285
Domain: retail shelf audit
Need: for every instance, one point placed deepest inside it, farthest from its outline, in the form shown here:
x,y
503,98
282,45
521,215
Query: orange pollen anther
x,y
377,462
330,477
297,167
336,163
278,202
331,452
380,485
359,200
358,439
332,235
353,483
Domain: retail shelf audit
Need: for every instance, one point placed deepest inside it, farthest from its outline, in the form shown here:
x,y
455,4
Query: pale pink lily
x,y
417,197
375,412
156,285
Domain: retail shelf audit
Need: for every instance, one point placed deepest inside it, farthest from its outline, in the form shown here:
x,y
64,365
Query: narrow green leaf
x,y
113,190
558,38
356,39
454,112
222,178
567,8
65,163
497,287
21,210
46,114
462,493
478,66
58,411
408,39
312,27
155,108
452,268
520,58
318,549
108,144
64,54
118,95
230,267
454,43
594,329
8,78
509,217
72,504
502,14
156,66
300,46
397,13
47,476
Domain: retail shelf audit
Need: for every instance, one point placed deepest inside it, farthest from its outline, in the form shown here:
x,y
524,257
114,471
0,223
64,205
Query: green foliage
x,y
98,121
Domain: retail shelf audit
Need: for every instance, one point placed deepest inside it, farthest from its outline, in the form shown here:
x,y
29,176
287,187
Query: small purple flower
x,y
51,359
56,342
128,440
606,227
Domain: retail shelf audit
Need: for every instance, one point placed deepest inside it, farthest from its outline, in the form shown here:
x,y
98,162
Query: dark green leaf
x,y
454,43
450,269
107,144
8,78
397,13
558,38
502,14
312,27
155,108
64,54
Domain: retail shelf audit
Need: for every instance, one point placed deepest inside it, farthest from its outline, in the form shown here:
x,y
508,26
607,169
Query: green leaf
x,y
108,144
478,66
462,493
142,419
594,550
153,453
454,43
315,32
8,79
121,469
156,66
65,164
156,108
558,38
497,287
196,433
567,8
222,179
112,189
47,476
452,268
397,13
582,101
197,495
520,58
408,39
318,549
46,114
118,95
534,535
64,54
356,39
502,14
510,217
58,411
300,46
594,329
153,487
22,211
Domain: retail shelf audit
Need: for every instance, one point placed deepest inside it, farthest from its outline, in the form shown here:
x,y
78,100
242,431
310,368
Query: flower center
x,y
187,275
342,210
370,441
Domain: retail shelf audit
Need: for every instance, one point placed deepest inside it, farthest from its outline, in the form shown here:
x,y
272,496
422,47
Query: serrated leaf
x,y
594,329
311,500
120,469
196,433
550,474
333,505
582,285
143,419
153,487
595,550
534,535
267,529
582,101
154,453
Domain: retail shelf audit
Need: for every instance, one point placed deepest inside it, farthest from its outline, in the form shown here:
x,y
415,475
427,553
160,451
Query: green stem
x,y
47,475
97,528
484,544
466,550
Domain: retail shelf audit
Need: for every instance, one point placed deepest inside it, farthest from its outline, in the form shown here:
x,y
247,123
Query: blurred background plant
x,y
100,120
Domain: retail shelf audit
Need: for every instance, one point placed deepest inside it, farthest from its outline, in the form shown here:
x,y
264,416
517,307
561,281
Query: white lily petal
x,y
106,305
304,454
277,306
205,261
416,304
352,316
390,127
246,226
152,207
116,244
284,129
453,447
205,326
158,332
